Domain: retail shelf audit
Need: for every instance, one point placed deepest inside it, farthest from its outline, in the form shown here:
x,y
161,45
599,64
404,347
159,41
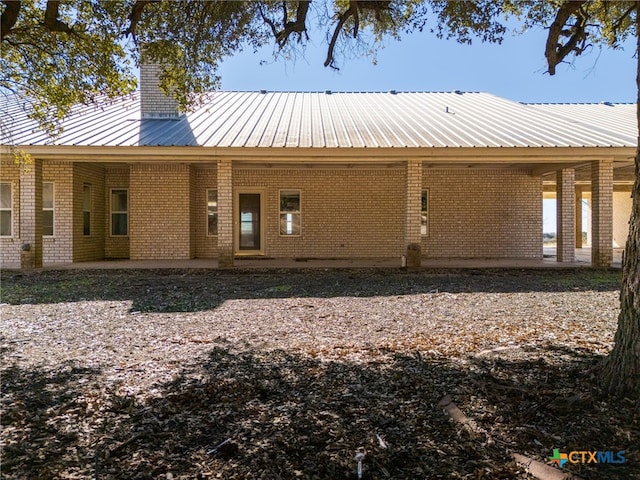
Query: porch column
x,y
31,215
602,213
225,213
413,195
565,215
578,217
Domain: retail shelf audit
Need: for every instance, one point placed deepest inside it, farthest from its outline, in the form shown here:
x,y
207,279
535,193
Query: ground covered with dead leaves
x,y
291,374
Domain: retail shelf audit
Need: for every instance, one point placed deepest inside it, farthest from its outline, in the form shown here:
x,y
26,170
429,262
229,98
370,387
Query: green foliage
x,y
59,69
21,158
191,38
59,54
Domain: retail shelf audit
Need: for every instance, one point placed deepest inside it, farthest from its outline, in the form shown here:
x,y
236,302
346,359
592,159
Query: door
x,y
249,225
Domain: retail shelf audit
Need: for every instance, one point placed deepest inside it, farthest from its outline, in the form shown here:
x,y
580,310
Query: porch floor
x,y
583,259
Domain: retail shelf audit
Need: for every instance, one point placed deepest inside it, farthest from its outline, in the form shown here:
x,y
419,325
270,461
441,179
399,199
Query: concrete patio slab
x,y
582,259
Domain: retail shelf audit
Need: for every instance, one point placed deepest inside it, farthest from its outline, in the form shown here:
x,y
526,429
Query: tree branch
x,y
268,21
352,10
299,26
619,21
555,51
51,20
9,17
135,16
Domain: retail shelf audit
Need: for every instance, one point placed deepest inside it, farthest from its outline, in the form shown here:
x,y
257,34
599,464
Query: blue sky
x,y
421,62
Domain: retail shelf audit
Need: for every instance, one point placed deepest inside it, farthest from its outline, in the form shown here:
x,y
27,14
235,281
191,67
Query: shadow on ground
x,y
198,290
40,433
253,414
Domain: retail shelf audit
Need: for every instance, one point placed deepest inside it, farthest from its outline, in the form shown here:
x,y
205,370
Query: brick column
x,y
565,215
31,215
602,213
413,191
225,213
578,217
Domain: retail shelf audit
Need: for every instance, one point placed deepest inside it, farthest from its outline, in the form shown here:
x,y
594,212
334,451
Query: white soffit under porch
x,y
338,120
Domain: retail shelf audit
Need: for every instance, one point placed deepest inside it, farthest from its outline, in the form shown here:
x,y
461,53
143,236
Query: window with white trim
x,y
289,212
6,209
212,212
424,213
119,212
86,209
48,210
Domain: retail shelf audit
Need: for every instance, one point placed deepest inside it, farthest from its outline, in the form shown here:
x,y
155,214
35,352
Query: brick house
x,y
315,175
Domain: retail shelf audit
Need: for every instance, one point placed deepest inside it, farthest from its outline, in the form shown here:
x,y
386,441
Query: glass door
x,y
249,223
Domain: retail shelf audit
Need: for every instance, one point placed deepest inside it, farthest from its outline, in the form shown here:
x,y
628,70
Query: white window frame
x,y
112,212
10,209
286,212
424,214
206,218
89,187
51,209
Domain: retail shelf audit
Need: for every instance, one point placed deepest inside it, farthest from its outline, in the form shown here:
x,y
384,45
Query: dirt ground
x,y
182,374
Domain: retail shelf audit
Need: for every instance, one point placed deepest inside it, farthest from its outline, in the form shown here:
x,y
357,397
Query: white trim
x,y
206,213
426,212
10,209
52,209
293,212
236,221
90,187
112,212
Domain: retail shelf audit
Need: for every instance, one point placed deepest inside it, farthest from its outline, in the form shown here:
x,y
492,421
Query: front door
x,y
249,228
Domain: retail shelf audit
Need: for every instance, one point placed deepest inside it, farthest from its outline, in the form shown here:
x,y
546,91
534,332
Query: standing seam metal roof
x,y
337,120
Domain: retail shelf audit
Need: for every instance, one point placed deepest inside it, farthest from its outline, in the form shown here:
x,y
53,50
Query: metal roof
x,y
338,120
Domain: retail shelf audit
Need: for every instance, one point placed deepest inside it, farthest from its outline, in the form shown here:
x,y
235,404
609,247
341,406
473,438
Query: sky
x,y
514,69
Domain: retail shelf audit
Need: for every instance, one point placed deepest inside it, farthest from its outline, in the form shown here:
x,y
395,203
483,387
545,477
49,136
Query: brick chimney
x,y
154,104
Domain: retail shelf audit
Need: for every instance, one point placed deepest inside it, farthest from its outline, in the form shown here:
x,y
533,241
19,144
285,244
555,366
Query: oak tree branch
x,y
9,17
555,50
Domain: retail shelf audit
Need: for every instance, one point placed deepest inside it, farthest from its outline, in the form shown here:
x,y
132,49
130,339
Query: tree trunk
x,y
621,369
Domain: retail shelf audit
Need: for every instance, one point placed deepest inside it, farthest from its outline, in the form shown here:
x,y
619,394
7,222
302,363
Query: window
x,y
119,213
47,209
6,210
212,212
86,210
424,213
289,212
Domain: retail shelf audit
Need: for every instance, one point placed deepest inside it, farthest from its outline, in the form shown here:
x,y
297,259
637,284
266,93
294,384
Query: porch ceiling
x,y
623,171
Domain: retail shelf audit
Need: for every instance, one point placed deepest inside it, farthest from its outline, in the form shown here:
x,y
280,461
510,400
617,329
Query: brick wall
x,y
413,204
193,218
115,247
89,247
483,213
565,215
224,174
206,246
10,246
345,212
31,213
159,211
59,248
601,213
